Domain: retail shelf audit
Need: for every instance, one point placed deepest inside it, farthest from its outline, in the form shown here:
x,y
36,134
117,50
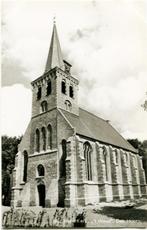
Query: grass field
x,y
115,214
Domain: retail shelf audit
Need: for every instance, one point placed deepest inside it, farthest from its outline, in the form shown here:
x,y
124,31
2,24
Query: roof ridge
x,y
123,138
93,114
58,109
69,112
111,126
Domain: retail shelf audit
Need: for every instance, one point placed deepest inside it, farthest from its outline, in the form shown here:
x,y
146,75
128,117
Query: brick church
x,y
69,156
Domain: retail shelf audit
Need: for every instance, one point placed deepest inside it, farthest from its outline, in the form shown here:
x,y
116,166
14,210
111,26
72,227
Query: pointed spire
x,y
55,55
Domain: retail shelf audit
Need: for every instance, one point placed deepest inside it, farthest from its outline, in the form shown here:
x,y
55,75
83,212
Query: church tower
x,y
68,156
40,172
56,88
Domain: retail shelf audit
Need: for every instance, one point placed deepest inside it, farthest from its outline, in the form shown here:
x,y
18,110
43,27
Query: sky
x,y
104,40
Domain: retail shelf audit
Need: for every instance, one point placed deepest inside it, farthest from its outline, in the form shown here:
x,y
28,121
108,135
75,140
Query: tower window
x,y
39,93
63,87
40,169
71,91
43,139
49,88
49,133
44,106
68,105
87,155
37,140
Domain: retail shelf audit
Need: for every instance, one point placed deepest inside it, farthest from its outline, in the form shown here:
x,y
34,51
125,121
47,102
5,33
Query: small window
x,y
40,169
49,88
44,106
39,93
71,91
63,87
68,105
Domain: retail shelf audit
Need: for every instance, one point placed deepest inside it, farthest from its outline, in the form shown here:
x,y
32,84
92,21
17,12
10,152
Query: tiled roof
x,y
89,125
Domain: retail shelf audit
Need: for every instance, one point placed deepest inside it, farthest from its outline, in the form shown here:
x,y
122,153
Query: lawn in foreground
x,y
115,214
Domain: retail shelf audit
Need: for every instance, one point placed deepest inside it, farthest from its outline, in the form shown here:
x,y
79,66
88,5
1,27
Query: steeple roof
x,y
55,54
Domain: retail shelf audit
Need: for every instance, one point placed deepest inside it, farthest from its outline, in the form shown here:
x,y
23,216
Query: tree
x,y
9,150
142,150
137,145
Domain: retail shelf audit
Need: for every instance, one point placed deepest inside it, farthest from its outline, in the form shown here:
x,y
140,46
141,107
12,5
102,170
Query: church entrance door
x,y
41,193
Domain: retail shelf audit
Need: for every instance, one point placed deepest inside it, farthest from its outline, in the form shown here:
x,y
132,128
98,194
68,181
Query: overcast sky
x,y
106,43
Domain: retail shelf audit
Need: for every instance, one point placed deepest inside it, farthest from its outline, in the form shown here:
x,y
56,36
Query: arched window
x,y
25,155
105,161
71,91
40,170
62,160
49,88
39,93
43,138
63,87
37,140
87,155
68,105
44,106
49,132
125,159
134,162
116,156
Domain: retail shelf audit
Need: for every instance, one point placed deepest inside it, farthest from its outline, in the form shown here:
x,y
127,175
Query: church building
x,y
68,156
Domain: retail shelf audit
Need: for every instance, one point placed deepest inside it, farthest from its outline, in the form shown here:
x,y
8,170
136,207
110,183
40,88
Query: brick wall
x,y
51,99
43,120
29,194
61,98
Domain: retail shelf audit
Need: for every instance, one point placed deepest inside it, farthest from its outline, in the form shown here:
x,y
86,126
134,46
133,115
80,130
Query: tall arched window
x,y
116,156
62,160
63,87
105,161
40,170
37,140
49,88
25,155
134,162
87,155
49,133
43,138
71,91
39,92
125,159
